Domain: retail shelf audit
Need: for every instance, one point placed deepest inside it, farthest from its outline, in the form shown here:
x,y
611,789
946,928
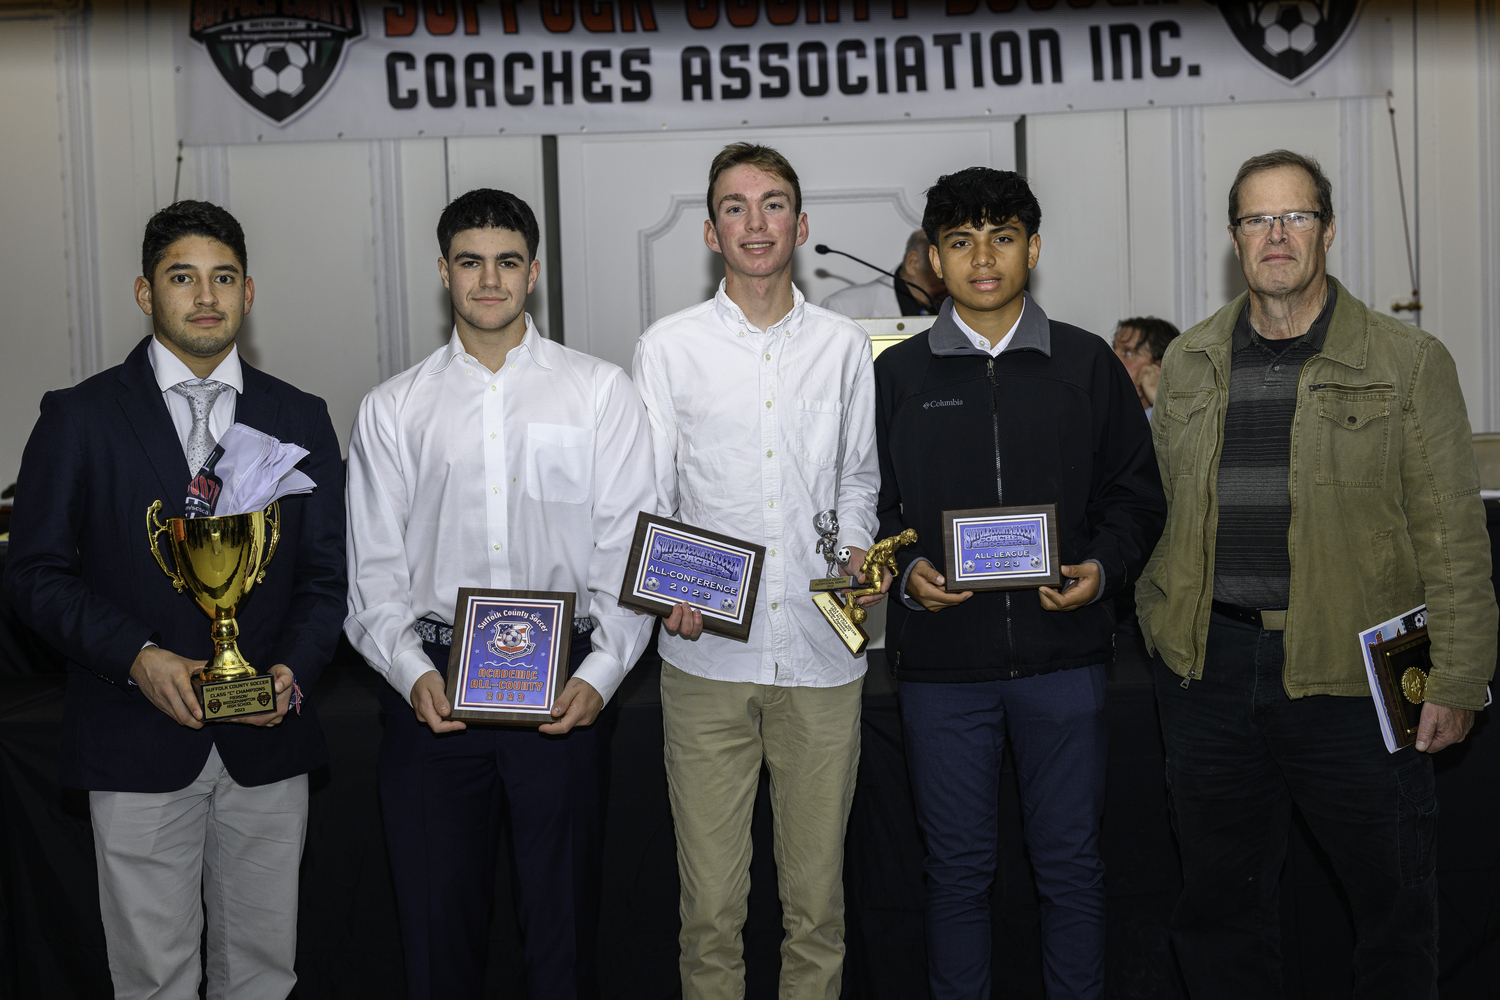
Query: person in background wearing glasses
x,y
1320,479
1139,343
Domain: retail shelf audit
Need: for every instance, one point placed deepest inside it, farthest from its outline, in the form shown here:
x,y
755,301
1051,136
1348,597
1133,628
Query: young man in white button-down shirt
x,y
762,411
507,461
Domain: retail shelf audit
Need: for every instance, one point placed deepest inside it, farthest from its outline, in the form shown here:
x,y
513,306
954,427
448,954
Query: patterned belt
x,y
442,635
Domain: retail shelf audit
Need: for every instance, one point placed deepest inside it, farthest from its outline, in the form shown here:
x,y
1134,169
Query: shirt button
x,y
773,552
768,357
494,388
740,334
468,371
494,489
768,453
497,546
768,404
770,503
774,605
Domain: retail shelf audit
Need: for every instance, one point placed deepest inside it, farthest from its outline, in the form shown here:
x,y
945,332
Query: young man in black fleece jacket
x,y
997,405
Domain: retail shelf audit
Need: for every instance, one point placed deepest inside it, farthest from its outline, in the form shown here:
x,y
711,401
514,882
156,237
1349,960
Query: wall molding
x,y
1354,199
1487,25
392,321
213,175
647,238
1189,254
80,212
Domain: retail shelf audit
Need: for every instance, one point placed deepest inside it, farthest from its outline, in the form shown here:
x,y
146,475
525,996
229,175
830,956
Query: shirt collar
x,y
1032,332
733,316
981,342
543,351
1317,333
170,370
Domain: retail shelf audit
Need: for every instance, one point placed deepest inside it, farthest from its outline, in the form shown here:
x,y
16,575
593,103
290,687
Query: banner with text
x,y
274,70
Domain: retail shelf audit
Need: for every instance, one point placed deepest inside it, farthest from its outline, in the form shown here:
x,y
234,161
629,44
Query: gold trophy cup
x,y
219,560
847,616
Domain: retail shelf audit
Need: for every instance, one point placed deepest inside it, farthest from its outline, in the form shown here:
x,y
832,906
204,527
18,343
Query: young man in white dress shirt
x,y
762,411
502,460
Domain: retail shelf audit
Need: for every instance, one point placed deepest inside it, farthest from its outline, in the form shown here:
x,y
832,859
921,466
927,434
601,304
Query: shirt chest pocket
x,y
818,422
559,462
1354,433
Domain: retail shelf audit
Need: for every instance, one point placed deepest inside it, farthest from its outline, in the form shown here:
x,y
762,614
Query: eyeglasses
x,y
1297,222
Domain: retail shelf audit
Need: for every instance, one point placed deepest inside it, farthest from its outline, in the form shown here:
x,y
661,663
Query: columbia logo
x,y
942,402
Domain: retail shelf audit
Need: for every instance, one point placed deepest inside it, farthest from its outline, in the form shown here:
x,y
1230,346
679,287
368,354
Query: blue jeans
x,y
955,737
1239,754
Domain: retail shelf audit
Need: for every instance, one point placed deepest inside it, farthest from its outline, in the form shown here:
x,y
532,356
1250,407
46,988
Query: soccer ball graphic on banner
x,y
1289,26
276,67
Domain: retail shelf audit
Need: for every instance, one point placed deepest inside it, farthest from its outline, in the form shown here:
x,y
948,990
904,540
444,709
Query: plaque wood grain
x,y
629,598
1052,576
557,667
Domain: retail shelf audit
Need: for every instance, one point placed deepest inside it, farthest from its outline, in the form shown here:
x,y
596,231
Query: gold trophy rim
x,y
227,663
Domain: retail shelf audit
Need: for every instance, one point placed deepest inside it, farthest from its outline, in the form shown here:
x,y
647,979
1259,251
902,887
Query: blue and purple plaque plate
x,y
1000,548
510,654
673,563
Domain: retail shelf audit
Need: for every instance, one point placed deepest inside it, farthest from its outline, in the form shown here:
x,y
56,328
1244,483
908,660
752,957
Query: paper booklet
x,y
245,472
1386,689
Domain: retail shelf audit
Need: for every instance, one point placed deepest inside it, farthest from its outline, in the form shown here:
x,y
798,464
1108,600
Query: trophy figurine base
x,y
831,583
853,636
233,699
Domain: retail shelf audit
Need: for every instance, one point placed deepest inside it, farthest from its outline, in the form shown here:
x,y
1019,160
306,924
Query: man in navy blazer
x,y
187,817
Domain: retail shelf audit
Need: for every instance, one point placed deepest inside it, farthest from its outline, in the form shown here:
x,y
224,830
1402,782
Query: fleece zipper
x,y
1010,638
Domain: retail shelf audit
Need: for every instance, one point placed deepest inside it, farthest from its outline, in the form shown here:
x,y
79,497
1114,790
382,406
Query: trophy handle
x,y
154,530
273,519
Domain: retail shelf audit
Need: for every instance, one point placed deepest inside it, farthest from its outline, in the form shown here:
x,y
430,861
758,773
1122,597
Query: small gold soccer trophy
x,y
219,560
847,616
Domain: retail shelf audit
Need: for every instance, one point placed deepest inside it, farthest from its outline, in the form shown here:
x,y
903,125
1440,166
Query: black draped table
x,y
52,945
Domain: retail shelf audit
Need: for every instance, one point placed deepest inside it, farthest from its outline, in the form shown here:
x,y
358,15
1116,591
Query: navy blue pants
x,y
1239,754
443,798
956,735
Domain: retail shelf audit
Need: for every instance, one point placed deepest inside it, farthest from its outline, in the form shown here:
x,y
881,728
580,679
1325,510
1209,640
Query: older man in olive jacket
x,y
1320,479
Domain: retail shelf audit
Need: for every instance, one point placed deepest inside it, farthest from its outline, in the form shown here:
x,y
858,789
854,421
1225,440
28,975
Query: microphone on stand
x,y
920,294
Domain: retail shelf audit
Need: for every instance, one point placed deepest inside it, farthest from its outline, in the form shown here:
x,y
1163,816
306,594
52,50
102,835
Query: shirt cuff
x,y
410,664
1102,581
900,585
603,672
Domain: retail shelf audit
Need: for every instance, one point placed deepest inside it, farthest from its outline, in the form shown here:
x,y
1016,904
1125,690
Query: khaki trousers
x,y
216,845
717,733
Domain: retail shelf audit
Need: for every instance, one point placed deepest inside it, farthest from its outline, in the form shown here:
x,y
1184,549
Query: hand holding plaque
x,y
847,617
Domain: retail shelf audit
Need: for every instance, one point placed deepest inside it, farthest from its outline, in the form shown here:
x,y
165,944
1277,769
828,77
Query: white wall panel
x,y
305,208
33,267
1076,165
633,211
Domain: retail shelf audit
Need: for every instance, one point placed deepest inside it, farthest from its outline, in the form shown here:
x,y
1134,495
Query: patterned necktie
x,y
201,397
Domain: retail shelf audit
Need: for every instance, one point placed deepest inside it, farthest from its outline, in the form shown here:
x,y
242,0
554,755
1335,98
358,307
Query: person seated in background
x,y
918,292
1139,343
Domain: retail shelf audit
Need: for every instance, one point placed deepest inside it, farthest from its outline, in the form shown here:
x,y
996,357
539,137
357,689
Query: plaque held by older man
x,y
510,652
673,563
1000,548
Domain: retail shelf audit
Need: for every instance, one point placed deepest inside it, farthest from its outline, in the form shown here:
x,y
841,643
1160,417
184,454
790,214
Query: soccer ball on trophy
x,y
1289,25
276,67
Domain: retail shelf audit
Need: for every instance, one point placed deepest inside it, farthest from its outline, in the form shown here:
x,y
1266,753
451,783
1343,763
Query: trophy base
x,y
233,699
831,583
854,637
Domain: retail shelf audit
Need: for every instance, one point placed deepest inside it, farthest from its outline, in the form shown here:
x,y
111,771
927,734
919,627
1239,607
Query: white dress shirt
x,y
170,371
529,478
983,343
755,432
872,300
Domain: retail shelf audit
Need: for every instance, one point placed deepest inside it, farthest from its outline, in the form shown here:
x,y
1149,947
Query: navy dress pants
x,y
1239,754
443,799
955,737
